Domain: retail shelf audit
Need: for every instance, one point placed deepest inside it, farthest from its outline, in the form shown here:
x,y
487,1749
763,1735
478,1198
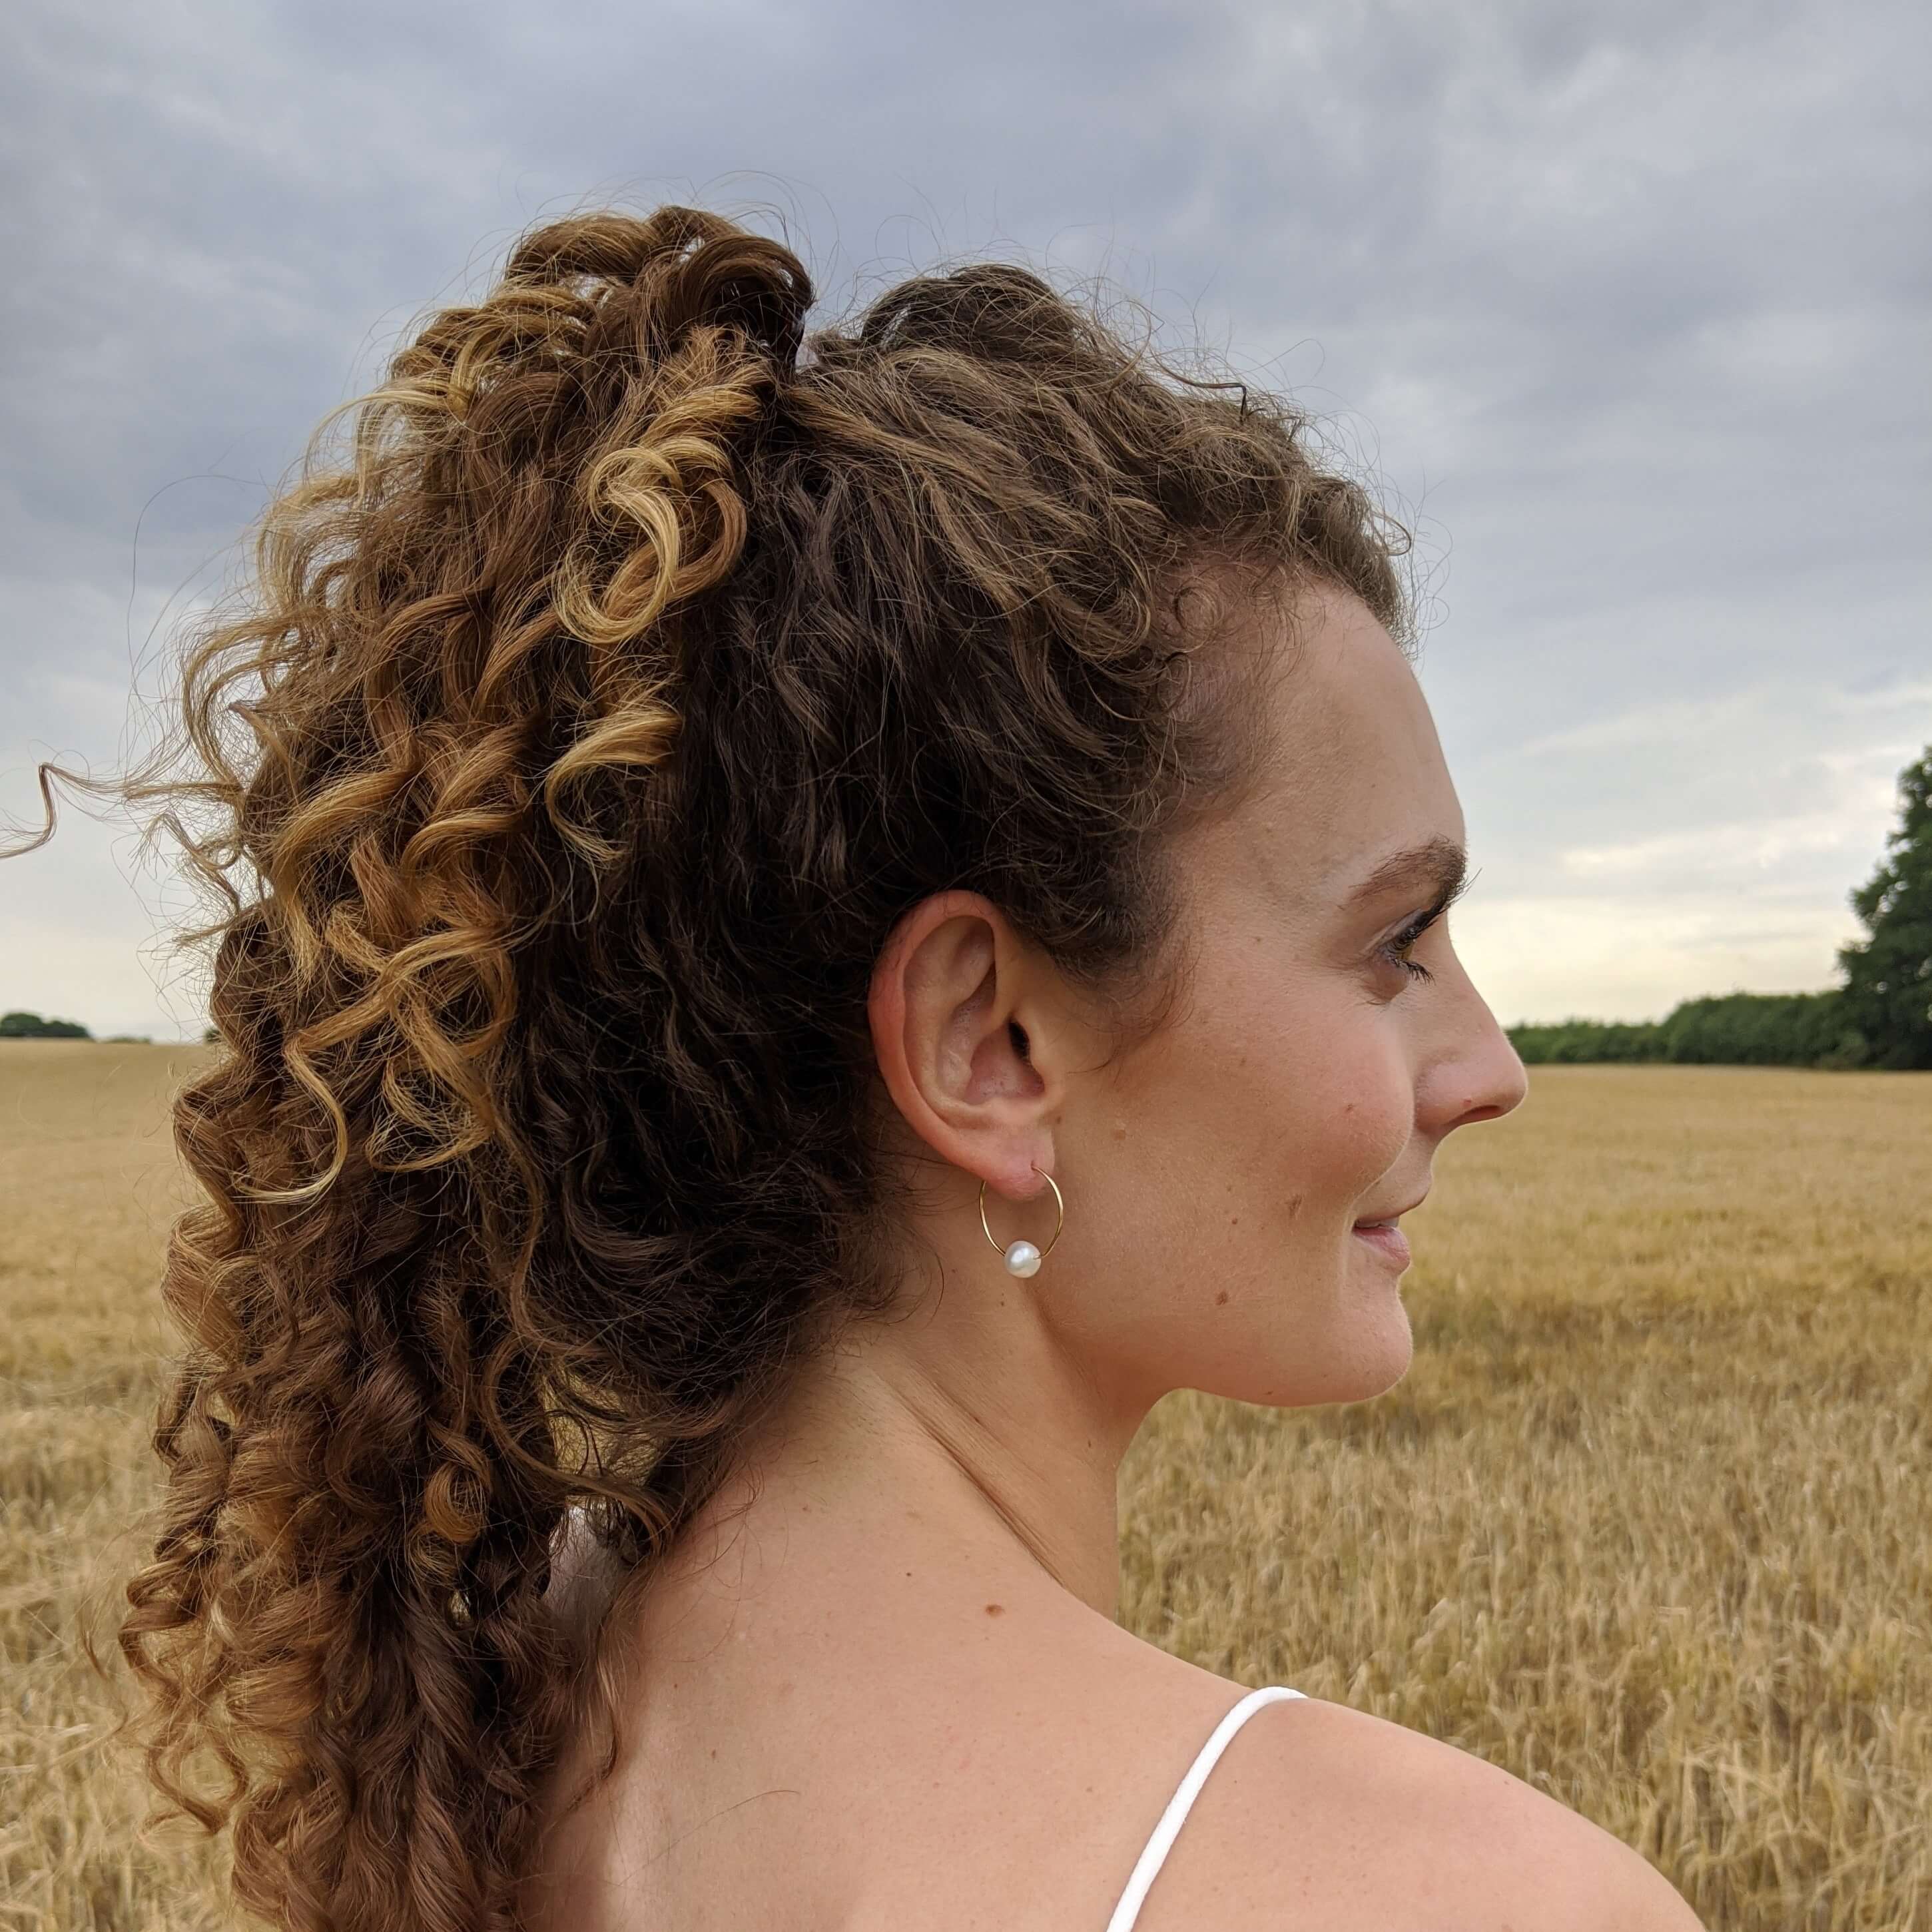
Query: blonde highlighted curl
x,y
599,713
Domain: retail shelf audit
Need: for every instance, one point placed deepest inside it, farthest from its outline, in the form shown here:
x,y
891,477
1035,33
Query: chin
x,y
1399,1361
1378,1357
1364,1359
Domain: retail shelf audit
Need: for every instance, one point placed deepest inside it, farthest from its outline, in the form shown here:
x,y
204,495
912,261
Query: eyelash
x,y
1396,950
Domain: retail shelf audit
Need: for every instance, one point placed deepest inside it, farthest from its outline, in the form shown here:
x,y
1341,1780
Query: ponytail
x,y
390,1400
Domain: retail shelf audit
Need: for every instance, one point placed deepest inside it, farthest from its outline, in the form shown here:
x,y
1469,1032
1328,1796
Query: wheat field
x,y
1646,1523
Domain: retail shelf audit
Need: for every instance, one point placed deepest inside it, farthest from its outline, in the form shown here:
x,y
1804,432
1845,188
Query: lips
x,y
1388,1241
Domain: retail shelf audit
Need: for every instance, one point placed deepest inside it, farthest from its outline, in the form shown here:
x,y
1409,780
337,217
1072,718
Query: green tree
x,y
1888,992
31,1026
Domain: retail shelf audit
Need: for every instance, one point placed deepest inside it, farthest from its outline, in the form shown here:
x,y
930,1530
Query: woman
x,y
827,921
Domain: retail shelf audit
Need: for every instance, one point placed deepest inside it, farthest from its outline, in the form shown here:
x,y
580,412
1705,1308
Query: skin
x,y
903,1613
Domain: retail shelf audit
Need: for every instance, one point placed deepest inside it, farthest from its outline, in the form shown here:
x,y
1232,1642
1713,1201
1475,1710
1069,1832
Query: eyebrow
x,y
1439,861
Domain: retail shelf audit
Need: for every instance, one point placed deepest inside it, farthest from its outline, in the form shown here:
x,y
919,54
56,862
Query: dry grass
x,y
1646,1523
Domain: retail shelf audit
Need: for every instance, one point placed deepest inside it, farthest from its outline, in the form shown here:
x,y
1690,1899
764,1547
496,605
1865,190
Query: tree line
x,y
1880,1017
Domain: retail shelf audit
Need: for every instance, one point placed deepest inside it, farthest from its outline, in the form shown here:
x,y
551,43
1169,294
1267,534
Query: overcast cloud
x,y
1624,303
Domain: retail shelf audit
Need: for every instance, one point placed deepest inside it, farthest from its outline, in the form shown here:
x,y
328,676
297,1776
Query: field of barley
x,y
1649,1522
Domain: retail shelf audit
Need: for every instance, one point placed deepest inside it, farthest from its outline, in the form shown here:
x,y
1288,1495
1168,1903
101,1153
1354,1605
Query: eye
x,y
1395,951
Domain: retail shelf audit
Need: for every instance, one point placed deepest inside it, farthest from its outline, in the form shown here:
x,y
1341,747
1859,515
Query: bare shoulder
x,y
1331,1817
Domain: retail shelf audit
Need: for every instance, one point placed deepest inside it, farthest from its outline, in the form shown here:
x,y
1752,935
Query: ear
x,y
969,1041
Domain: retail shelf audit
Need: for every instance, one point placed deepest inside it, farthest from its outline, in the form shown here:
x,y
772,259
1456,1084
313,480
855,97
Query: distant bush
x,y
1732,1030
31,1026
1579,1039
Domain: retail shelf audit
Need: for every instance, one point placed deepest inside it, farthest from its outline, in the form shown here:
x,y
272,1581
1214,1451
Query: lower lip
x,y
1389,1241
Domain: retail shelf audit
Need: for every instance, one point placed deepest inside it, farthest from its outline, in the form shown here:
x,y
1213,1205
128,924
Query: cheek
x,y
1232,1157
1309,1075
1269,1115
1354,1112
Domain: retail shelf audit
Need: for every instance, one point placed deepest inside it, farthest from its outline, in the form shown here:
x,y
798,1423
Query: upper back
x,y
1025,1799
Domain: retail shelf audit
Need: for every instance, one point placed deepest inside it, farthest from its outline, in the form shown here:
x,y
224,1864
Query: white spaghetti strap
x,y
1154,1854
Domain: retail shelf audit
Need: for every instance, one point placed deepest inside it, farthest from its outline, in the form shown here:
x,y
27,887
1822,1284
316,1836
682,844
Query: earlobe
x,y
956,1059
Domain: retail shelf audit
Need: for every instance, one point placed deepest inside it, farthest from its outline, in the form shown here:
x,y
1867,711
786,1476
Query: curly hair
x,y
601,708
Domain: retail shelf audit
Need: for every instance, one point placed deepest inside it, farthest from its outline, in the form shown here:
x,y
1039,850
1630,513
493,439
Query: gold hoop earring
x,y
1022,1258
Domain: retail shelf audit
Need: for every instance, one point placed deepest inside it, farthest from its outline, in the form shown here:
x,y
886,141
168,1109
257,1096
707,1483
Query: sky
x,y
1622,307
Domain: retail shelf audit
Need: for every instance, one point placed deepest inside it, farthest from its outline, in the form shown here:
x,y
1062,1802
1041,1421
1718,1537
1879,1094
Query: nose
x,y
1484,1077
1503,1086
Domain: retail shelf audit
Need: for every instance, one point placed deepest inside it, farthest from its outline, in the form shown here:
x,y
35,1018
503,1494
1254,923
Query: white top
x,y
1154,1854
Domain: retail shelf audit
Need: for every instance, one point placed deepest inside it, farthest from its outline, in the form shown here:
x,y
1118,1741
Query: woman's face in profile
x,y
1306,1077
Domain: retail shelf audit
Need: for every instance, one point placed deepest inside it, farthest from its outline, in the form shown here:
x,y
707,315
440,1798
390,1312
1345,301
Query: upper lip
x,y
1393,1212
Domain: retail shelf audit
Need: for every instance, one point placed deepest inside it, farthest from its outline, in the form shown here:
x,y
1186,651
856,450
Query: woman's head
x,y
1322,1041
654,734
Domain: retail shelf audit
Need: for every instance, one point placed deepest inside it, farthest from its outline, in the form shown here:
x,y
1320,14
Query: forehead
x,y
1356,770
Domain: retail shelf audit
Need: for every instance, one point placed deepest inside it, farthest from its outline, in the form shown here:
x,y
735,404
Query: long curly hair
x,y
585,724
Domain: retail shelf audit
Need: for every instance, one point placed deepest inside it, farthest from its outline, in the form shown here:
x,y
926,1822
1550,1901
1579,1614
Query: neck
x,y
905,1457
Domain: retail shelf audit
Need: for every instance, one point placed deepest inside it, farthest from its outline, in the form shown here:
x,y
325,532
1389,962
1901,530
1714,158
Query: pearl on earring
x,y
1022,1258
